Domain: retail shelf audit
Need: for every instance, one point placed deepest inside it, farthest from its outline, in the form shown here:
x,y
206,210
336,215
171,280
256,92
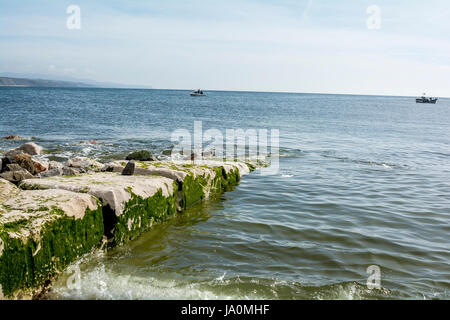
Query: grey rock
x,y
16,176
55,165
52,173
85,164
67,171
129,168
31,148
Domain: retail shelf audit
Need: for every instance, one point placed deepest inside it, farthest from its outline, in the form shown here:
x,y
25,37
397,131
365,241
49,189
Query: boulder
x,y
31,165
23,160
52,173
55,165
129,168
31,148
66,171
84,163
16,176
140,155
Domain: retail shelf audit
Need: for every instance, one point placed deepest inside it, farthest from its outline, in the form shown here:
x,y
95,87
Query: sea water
x,y
364,182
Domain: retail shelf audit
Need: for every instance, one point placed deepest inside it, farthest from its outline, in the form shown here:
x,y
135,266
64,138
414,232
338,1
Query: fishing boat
x,y
198,93
424,99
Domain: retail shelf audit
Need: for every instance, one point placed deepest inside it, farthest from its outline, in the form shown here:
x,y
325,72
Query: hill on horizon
x,y
8,79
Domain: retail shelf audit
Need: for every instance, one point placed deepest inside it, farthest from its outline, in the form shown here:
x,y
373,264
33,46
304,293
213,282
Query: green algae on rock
x,y
140,213
196,180
42,232
130,203
142,155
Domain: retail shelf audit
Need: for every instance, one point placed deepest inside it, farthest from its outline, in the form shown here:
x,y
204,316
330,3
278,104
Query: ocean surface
x,y
363,181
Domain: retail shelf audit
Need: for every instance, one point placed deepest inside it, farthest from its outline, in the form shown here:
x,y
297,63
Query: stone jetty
x,y
49,221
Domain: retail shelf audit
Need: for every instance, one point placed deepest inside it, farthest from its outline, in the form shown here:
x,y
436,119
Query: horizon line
x,y
148,87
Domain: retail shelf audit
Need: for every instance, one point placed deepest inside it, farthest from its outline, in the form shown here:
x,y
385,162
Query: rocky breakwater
x,y
48,222
24,163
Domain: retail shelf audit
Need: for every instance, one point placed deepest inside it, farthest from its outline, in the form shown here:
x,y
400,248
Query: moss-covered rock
x,y
52,221
140,155
197,181
130,203
140,213
41,232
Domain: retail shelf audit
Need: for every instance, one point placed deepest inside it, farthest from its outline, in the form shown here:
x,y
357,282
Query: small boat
x,y
198,93
424,99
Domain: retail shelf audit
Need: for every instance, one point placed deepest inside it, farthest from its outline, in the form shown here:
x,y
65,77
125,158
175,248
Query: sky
x,y
319,46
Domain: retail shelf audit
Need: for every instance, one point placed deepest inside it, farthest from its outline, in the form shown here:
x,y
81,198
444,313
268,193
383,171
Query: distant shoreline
x,y
6,81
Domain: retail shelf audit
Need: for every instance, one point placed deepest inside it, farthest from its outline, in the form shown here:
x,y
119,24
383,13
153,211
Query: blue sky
x,y
296,46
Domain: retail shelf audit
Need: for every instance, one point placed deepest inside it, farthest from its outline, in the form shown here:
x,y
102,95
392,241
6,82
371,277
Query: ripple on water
x,y
363,181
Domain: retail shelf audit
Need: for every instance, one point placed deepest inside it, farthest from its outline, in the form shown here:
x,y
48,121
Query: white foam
x,y
101,283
